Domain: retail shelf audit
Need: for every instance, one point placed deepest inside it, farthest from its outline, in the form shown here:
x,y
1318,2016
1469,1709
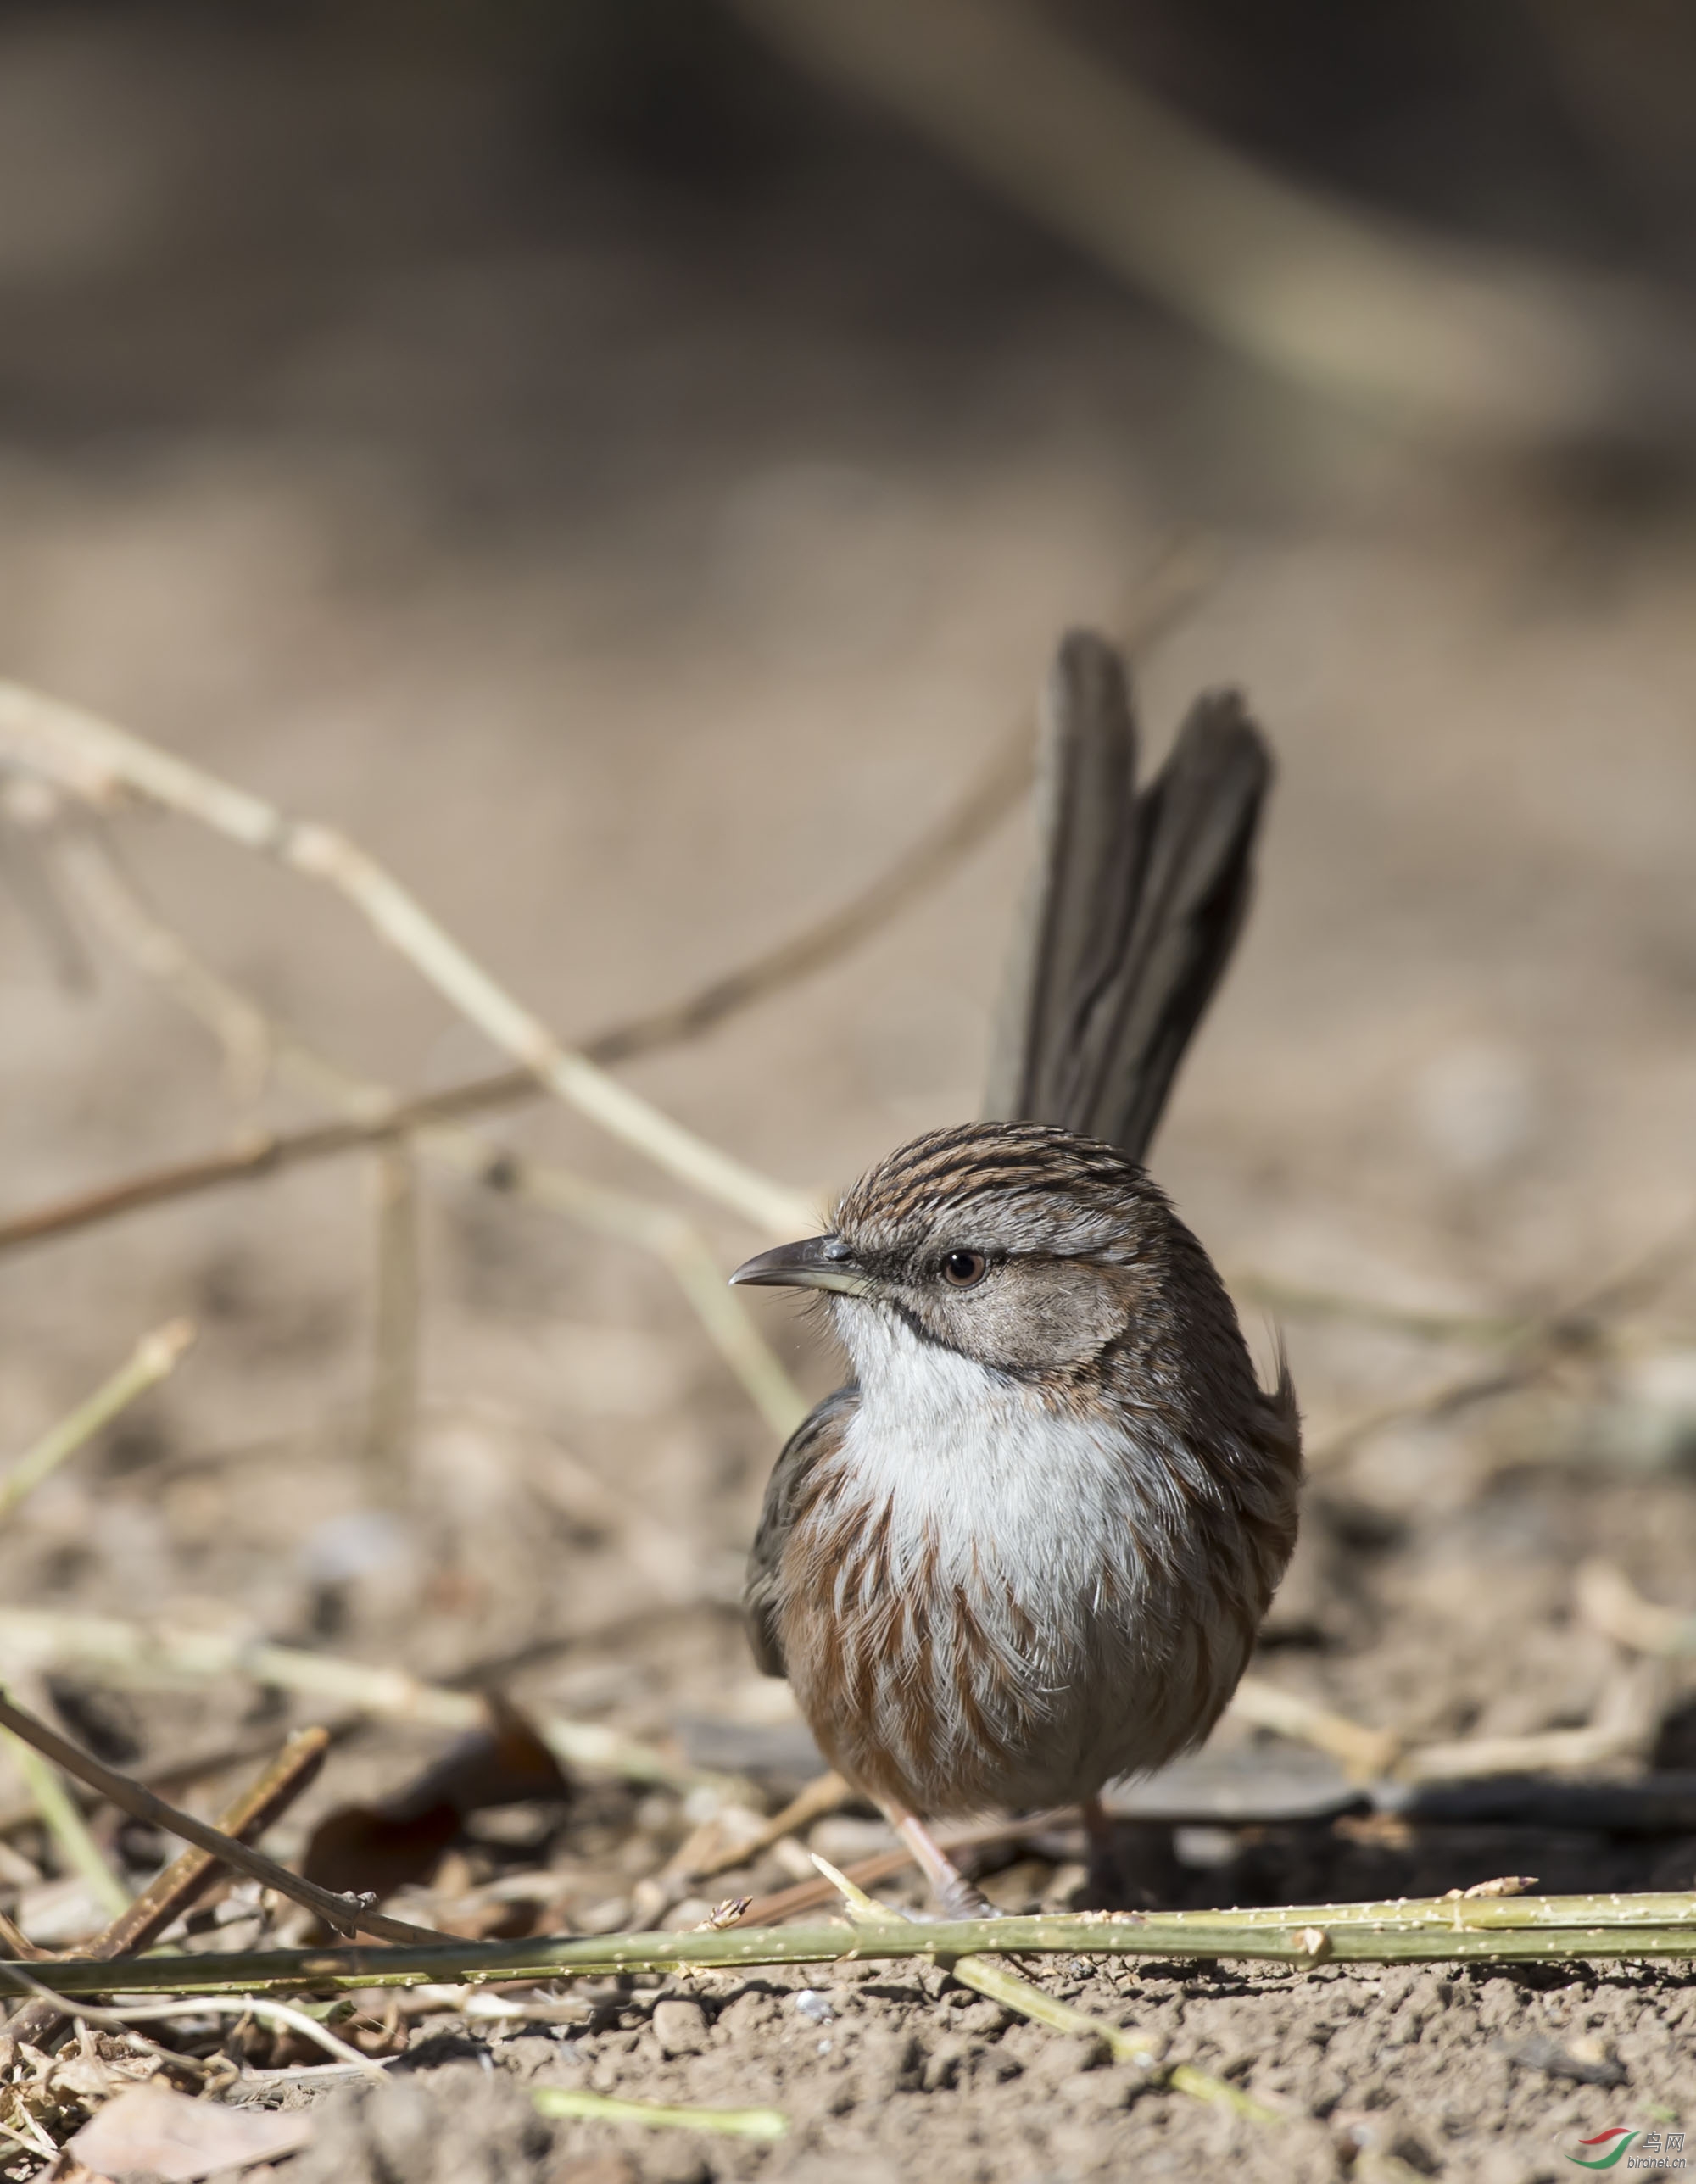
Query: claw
x,y
955,1894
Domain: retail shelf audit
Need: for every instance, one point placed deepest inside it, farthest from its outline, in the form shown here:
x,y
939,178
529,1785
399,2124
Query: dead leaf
x,y
358,1849
152,2131
401,1840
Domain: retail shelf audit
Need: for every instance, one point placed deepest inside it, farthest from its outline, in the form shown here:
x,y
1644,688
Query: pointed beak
x,y
817,1262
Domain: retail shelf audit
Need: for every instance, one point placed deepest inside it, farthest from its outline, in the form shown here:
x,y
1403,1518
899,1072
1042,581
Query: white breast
x,y
1031,1520
979,1469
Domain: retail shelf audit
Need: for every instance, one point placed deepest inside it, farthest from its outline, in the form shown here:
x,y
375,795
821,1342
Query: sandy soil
x,y
637,570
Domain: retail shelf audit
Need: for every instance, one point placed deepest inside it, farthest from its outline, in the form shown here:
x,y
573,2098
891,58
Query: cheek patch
x,y
1034,1313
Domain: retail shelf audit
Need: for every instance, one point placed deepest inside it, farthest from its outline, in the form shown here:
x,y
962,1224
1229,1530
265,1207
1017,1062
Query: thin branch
x,y
669,1235
154,1356
23,872
1609,1602
243,1034
17,1943
786,1904
135,1654
825,1793
188,1876
265,1154
62,1820
341,1912
1623,1722
1523,1929
1363,1754
189,1768
1170,586
1578,1327
393,1400
1548,1750
134,926
61,2006
1622,1725
40,2145
96,760
1470,342
1167,591
1295,1302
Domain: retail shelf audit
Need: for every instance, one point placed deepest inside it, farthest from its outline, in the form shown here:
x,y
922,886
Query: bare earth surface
x,y
637,570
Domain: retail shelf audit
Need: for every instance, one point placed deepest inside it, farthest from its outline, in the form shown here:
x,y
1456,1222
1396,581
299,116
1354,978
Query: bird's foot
x,y
956,1896
959,1899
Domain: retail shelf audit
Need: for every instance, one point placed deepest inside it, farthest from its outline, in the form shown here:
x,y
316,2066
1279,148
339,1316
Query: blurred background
x,y
628,465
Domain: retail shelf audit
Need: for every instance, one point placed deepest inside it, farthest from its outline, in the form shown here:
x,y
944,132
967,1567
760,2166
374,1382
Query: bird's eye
x,y
964,1270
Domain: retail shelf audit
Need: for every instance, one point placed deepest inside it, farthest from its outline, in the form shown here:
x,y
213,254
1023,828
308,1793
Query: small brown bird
x,y
1025,1550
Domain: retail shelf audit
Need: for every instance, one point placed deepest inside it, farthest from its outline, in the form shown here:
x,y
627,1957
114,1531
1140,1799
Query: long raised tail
x,y
1137,899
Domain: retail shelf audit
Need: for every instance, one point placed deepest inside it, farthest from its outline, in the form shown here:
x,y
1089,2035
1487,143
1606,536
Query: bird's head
x,y
1019,1246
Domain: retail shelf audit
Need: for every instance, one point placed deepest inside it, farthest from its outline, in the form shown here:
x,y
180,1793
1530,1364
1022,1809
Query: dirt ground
x,y
637,570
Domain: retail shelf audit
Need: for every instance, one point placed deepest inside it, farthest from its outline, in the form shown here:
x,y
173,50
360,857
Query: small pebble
x,y
812,2004
680,2027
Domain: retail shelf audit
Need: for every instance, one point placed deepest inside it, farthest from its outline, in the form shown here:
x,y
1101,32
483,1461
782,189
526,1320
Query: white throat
x,y
977,1468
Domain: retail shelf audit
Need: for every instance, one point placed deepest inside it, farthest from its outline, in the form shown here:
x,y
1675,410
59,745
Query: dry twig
x,y
134,926
1468,341
136,1654
153,2013
1622,1727
341,1912
154,1356
672,1238
1363,1754
98,761
1169,588
1609,1602
189,1875
62,1820
1579,1328
392,1413
824,1794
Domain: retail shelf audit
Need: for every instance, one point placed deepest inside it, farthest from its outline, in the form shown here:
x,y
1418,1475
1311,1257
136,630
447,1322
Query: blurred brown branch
x,y
100,763
154,1358
1470,343
1582,1327
392,1413
987,802
1178,574
144,1655
1608,1601
129,920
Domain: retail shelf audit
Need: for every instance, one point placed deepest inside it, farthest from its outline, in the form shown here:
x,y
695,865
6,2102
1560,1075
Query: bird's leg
x,y
1106,1881
949,1885
1131,1862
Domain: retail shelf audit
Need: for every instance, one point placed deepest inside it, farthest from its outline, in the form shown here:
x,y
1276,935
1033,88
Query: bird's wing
x,y
1137,903
818,1435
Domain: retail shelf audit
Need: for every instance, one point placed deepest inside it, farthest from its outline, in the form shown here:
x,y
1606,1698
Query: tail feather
x,y
1137,901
